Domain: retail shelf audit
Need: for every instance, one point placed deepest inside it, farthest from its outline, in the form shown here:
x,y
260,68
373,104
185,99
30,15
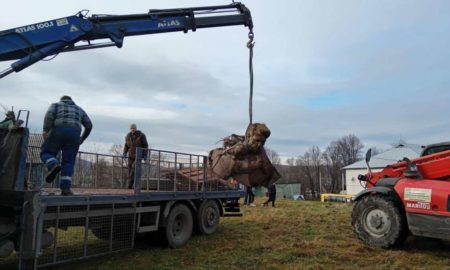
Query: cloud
x,y
322,70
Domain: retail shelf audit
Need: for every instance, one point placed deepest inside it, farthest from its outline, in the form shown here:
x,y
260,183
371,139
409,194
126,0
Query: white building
x,y
377,163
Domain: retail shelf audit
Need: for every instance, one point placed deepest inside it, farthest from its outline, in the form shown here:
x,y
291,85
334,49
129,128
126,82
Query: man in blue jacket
x,y
61,132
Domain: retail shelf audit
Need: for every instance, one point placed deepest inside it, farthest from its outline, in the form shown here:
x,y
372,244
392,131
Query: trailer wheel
x,y
179,226
208,217
378,221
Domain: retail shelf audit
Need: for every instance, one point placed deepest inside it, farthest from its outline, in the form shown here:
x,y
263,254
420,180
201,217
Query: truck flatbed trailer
x,y
174,195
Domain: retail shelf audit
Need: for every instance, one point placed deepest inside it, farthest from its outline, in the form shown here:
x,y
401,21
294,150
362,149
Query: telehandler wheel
x,y
378,221
208,217
179,226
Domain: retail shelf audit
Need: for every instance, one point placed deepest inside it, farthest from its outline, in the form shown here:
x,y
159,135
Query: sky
x,y
323,69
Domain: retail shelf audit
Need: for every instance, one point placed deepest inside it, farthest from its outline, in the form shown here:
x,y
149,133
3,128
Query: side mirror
x,y
411,170
368,155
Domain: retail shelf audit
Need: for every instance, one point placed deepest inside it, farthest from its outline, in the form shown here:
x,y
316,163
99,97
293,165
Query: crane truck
x,y
175,193
407,197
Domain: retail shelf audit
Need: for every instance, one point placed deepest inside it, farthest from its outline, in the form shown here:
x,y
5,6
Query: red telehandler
x,y
408,197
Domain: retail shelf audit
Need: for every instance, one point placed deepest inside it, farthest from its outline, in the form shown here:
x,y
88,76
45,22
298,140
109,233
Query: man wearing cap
x,y
61,132
135,138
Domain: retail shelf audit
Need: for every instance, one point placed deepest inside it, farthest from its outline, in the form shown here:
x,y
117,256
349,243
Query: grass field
x,y
295,235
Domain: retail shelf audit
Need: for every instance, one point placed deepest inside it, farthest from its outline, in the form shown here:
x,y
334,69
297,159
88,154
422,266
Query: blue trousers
x,y
66,140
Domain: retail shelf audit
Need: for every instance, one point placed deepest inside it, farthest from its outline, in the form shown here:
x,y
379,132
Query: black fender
x,y
388,191
387,182
222,211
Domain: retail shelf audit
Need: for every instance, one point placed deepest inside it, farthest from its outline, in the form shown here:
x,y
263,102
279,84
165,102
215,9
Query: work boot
x,y
66,192
53,173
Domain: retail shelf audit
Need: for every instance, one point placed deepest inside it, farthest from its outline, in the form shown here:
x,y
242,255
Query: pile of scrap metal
x,y
244,159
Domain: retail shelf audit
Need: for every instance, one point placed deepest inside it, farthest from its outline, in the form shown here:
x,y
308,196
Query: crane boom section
x,y
31,43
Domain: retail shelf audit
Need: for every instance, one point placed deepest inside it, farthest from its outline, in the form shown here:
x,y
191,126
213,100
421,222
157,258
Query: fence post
x,y
137,170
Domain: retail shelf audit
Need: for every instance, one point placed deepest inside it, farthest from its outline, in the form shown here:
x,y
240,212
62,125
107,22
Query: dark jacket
x,y
67,114
272,192
132,141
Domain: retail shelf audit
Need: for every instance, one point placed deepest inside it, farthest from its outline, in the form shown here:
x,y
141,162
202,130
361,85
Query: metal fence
x,y
101,173
75,232
72,232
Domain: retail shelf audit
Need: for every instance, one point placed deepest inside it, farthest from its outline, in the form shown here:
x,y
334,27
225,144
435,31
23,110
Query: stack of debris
x,y
244,159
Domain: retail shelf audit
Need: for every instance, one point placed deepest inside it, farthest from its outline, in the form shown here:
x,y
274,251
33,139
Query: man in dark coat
x,y
272,195
135,138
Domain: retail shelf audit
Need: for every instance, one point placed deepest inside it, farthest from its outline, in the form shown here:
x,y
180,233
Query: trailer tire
x,y
208,217
179,226
378,221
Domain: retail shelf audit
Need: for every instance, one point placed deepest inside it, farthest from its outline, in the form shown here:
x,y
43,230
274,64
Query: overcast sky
x,y
323,69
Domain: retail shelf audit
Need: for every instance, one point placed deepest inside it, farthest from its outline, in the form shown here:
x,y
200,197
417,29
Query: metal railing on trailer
x,y
104,216
160,171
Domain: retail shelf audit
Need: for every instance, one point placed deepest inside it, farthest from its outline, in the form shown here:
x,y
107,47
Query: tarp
x,y
10,151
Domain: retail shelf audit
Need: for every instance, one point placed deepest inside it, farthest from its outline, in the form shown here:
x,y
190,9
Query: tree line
x,y
319,171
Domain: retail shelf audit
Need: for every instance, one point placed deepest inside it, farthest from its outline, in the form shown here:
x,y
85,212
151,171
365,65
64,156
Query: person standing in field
x,y
249,196
272,195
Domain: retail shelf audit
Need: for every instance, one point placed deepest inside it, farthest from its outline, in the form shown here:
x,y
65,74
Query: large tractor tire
x,y
208,217
379,222
179,226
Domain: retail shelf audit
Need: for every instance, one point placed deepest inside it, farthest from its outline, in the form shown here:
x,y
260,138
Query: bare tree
x,y
291,161
273,156
93,147
310,164
333,164
116,150
350,148
340,153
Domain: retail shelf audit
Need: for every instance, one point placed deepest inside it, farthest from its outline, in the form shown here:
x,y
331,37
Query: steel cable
x,y
250,45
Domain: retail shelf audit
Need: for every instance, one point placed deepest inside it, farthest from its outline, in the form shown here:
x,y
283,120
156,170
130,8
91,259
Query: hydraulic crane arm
x,y
31,43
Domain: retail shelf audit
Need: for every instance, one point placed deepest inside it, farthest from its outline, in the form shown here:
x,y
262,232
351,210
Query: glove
x,y
81,141
124,154
144,158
